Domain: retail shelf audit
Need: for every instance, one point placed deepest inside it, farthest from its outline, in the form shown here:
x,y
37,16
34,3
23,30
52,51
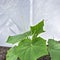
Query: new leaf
x,y
37,29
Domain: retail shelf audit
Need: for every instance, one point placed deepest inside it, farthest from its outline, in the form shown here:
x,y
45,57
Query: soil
x,y
3,51
46,57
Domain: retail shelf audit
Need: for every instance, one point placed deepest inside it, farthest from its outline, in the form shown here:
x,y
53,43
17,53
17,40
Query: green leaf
x,y
37,29
18,38
31,49
28,49
10,55
54,49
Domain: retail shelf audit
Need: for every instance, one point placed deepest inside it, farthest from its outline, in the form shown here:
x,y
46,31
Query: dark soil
x,y
47,57
3,51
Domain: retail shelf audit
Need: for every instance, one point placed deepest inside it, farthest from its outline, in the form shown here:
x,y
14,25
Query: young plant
x,y
28,48
54,49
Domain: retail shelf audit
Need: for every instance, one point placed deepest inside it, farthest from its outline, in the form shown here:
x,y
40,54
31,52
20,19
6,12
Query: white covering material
x,y
14,18
50,11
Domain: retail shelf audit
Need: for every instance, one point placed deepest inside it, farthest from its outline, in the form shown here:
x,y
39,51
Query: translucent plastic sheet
x,y
14,18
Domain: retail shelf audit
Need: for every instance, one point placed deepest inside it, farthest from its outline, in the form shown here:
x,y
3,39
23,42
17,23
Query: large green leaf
x,y
37,29
54,49
17,38
31,49
10,55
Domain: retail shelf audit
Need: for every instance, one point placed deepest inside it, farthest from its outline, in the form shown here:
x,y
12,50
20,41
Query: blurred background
x,y
17,15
